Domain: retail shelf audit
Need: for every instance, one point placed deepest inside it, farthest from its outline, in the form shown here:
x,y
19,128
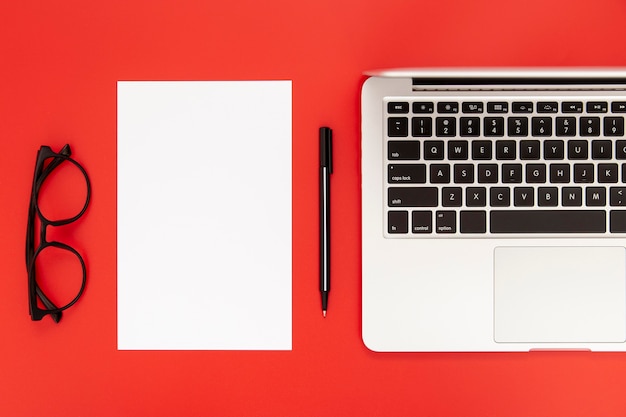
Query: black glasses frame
x,y
42,171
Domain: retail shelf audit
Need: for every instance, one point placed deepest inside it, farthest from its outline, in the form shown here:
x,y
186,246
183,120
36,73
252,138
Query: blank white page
x,y
204,215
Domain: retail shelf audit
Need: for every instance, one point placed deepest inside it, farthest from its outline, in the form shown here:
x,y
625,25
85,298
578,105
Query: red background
x,y
59,63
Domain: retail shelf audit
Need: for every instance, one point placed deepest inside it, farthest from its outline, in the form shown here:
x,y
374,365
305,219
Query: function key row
x,y
515,126
506,150
404,107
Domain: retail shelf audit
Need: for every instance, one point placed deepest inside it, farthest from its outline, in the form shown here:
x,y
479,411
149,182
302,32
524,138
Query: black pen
x,y
326,168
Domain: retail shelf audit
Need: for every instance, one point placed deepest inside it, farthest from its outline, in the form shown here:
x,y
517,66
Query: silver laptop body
x,y
493,210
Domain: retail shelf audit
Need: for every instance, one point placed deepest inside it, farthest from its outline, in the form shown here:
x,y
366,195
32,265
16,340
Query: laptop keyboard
x,y
488,166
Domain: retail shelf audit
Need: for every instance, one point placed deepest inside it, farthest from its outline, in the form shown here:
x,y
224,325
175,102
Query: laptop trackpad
x,y
560,294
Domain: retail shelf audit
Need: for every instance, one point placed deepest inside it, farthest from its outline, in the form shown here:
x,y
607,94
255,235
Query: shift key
x,y
412,197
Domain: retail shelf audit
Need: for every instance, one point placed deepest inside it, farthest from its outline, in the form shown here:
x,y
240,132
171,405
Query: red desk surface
x,y
59,63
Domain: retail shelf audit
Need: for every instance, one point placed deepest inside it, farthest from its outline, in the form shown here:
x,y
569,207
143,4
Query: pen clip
x,y
326,148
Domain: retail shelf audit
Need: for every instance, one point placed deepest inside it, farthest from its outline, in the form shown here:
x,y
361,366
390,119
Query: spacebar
x,y
548,221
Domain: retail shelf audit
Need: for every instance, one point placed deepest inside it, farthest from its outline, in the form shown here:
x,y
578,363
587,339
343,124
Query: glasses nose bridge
x,y
47,236
43,231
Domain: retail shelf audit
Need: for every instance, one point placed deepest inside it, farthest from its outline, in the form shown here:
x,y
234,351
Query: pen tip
x,y
324,313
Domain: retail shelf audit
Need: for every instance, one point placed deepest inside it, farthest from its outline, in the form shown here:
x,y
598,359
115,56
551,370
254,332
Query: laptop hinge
x,y
518,84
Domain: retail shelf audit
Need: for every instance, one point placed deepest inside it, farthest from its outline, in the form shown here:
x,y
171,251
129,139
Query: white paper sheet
x,y
204,215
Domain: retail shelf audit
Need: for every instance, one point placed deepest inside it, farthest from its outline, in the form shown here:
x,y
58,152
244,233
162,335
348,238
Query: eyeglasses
x,y
48,184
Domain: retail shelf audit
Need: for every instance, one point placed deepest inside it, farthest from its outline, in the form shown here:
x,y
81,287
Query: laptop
x,y
493,210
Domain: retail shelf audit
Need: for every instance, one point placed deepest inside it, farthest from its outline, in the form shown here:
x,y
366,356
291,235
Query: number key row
x,y
498,126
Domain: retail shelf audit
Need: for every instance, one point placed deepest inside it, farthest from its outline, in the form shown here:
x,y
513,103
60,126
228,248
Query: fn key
x,y
398,222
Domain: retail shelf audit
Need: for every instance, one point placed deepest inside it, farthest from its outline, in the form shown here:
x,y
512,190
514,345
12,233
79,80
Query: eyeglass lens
x,y
62,193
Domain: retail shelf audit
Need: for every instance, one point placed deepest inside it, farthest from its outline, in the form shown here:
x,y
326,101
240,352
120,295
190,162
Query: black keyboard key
x,y
614,126
583,173
617,196
620,150
597,107
577,149
505,150
472,107
469,126
440,173
559,173
398,222
589,126
618,107
548,221
601,149
572,196
518,126
523,196
522,107
566,126
422,222
481,149
403,150
547,196
446,222
511,173
421,127
397,107
473,222
500,197
448,107
463,173
529,149
542,126
547,107
608,173
475,196
595,196
553,149
446,126
433,150
406,174
494,126
487,173
412,196
458,150
497,107
572,107
451,196
423,107
618,221
536,173
398,127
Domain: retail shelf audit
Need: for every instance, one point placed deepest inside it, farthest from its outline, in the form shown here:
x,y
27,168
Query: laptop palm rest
x,y
560,294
